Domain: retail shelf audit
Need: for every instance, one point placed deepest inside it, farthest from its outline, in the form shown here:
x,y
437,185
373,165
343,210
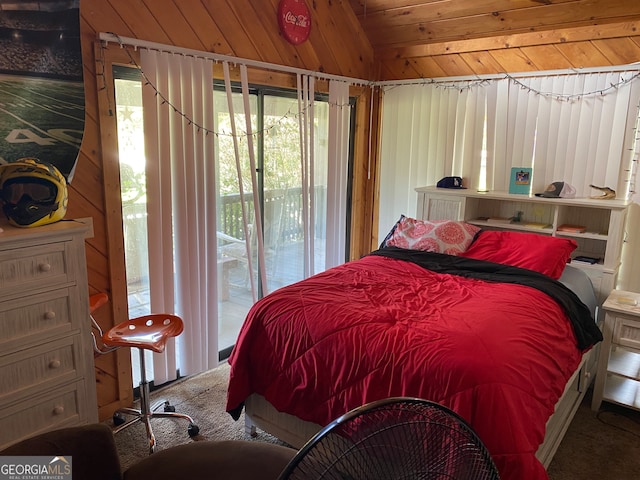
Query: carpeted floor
x,y
602,446
202,397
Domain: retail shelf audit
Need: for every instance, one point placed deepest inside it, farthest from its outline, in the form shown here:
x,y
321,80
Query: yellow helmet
x,y
34,193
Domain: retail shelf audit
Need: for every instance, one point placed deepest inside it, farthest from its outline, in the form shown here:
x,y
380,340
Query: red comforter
x,y
498,354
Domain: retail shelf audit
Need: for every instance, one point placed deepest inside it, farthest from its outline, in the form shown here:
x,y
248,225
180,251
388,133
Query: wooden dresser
x,y
46,352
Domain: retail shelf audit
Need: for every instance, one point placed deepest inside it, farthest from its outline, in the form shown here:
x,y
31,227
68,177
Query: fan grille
x,y
396,438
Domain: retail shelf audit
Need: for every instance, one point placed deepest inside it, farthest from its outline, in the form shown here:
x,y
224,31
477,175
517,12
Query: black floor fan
x,y
394,439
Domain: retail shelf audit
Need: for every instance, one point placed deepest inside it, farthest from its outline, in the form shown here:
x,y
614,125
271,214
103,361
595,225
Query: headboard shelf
x,y
602,222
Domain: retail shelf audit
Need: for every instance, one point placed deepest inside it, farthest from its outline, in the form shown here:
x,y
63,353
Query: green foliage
x,y
132,184
281,155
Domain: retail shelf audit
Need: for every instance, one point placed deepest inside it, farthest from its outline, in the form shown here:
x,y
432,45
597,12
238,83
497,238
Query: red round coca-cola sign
x,y
294,20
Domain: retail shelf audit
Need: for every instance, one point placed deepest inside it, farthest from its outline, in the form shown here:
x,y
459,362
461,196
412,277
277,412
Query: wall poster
x,y
41,89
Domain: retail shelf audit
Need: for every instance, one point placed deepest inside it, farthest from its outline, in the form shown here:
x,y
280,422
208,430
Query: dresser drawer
x,y
59,408
38,369
37,317
47,375
627,332
33,266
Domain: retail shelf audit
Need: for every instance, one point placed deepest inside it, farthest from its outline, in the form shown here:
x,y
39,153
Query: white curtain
x,y
181,201
339,114
573,127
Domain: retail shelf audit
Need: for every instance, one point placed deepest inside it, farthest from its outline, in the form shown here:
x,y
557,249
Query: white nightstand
x,y
618,376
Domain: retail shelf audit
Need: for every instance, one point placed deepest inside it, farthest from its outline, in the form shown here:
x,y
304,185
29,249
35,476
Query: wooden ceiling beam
x,y
464,12
565,35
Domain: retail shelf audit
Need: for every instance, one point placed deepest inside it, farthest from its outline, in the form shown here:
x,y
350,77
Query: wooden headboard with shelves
x,y
603,222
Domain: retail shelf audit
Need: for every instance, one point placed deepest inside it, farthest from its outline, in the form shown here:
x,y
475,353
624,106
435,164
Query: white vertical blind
x,y
497,174
182,196
428,130
569,128
630,264
254,181
257,220
305,86
339,111
401,168
181,206
572,127
521,127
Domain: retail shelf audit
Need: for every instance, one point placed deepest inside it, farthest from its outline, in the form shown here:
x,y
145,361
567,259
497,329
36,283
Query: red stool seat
x,y
149,332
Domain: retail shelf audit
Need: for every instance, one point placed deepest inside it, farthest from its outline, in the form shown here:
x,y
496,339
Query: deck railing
x,y
282,218
281,207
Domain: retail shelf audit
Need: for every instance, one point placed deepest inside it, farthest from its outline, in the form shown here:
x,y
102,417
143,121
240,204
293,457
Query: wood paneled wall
x,y
248,29
240,28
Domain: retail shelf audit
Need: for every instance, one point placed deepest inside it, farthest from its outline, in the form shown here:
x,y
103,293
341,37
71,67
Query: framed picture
x,y
520,180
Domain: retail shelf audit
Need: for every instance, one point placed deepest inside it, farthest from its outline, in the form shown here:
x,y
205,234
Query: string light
x,y
575,96
462,85
635,195
459,85
200,128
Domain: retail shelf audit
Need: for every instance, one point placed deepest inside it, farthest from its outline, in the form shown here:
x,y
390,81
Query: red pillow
x,y
542,253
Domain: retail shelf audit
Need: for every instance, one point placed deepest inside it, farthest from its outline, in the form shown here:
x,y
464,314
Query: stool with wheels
x,y
147,332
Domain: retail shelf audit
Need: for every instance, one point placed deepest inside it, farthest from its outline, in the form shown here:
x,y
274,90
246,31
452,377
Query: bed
x,y
491,324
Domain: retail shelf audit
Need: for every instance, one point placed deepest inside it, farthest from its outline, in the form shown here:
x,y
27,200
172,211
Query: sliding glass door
x,y
276,142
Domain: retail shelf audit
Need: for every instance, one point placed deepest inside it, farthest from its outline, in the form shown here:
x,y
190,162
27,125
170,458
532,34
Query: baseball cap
x,y
558,190
450,182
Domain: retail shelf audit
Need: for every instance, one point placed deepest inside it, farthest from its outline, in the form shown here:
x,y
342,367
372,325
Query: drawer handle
x,y
54,364
58,410
50,315
44,267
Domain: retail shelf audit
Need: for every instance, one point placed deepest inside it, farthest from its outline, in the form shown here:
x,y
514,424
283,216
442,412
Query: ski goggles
x,y
34,189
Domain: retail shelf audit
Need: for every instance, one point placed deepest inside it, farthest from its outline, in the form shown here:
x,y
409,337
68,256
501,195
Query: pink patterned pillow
x,y
440,236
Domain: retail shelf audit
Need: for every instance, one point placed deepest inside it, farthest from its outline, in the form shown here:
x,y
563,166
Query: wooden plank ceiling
x,y
437,38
